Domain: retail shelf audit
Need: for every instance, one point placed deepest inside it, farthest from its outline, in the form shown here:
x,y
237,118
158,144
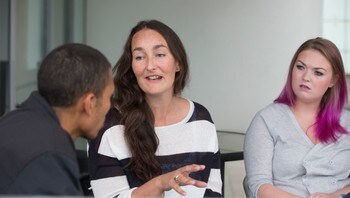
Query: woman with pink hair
x,y
299,146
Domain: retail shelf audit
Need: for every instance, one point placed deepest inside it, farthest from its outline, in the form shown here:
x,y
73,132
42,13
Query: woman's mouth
x,y
304,87
155,77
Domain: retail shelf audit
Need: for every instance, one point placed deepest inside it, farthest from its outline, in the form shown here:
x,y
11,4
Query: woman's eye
x,y
138,58
318,73
160,55
300,67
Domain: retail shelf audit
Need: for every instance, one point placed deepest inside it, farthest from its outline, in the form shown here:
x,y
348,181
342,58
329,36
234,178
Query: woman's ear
x,y
177,69
333,81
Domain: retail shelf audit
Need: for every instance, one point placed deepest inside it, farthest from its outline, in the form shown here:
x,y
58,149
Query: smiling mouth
x,y
154,77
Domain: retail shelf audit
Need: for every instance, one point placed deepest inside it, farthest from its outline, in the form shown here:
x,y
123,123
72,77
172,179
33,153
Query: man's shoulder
x,y
27,133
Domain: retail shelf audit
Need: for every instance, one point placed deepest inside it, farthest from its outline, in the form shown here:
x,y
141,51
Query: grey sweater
x,y
278,152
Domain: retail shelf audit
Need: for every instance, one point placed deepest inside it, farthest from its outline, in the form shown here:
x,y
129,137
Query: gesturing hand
x,y
180,177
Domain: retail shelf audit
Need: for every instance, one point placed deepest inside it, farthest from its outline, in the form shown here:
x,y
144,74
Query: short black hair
x,y
71,70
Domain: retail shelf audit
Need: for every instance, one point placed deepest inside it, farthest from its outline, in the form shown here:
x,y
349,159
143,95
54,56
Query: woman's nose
x,y
151,64
306,76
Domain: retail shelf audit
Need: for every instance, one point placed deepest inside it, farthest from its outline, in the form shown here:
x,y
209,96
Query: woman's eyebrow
x,y
137,49
159,46
314,68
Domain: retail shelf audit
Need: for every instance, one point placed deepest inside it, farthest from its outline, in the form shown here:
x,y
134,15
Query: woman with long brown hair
x,y
154,142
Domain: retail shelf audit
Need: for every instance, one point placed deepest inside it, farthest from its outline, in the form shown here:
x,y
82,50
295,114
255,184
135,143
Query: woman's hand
x,y
323,195
335,194
180,177
172,180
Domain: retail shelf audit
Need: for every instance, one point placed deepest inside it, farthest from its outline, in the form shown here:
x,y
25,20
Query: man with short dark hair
x,y
37,153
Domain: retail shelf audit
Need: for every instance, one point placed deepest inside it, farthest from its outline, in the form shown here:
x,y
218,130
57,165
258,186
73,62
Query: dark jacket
x,y
37,156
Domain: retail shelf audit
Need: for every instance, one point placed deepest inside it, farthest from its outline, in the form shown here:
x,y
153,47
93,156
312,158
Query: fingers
x,y
200,184
176,183
192,168
177,179
182,178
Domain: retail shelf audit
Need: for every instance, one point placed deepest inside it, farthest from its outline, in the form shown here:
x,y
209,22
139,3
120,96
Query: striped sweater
x,y
191,141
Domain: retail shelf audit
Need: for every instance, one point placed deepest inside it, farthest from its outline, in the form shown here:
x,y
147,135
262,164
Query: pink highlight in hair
x,y
327,123
329,116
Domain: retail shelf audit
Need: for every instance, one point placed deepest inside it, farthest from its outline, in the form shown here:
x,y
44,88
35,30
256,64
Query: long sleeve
x,y
258,154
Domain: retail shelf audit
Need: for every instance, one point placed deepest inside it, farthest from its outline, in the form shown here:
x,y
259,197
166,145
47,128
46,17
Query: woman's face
x,y
152,63
312,75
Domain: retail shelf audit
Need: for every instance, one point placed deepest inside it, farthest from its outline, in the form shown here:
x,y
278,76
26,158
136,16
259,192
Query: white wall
x,y
239,50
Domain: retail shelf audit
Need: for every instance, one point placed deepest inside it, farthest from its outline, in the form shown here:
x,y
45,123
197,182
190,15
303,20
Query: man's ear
x,y
89,102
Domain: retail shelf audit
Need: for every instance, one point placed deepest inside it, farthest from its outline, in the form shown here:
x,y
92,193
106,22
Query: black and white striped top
x,y
191,141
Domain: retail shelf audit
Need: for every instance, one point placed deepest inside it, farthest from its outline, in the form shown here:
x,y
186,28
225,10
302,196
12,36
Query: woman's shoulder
x,y
273,109
345,118
346,113
113,118
200,112
110,139
199,107
273,112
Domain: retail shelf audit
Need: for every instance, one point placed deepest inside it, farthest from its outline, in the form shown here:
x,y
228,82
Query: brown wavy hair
x,y
137,116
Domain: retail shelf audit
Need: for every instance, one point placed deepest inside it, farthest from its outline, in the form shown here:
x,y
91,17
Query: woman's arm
x,y
271,191
258,156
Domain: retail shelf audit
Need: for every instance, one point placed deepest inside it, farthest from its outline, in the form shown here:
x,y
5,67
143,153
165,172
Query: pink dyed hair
x,y
333,101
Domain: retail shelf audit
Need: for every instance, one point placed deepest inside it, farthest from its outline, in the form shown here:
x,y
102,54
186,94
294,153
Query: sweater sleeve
x,y
108,178
258,154
214,180
107,175
51,173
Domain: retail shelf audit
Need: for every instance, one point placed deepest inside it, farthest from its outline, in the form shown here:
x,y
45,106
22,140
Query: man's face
x,y
100,110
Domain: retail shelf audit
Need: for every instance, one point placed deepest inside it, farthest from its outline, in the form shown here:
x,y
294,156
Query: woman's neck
x,y
167,110
306,108
306,115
